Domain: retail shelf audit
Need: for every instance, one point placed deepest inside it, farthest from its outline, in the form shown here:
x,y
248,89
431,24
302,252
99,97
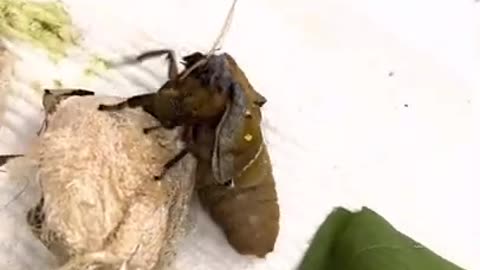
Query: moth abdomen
x,y
249,217
249,212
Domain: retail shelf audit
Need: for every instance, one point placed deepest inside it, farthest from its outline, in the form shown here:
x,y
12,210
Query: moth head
x,y
202,103
202,97
189,60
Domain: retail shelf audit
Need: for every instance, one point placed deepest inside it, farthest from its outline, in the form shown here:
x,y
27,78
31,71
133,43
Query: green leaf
x,y
42,24
366,241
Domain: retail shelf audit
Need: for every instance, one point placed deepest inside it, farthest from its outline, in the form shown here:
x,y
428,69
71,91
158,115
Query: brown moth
x,y
223,114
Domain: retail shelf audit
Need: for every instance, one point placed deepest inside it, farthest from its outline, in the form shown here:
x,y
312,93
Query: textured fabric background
x,y
369,103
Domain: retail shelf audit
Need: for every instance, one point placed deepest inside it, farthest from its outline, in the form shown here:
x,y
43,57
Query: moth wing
x,y
228,130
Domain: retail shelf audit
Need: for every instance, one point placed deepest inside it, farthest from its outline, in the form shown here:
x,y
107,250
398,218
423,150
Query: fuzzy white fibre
x,y
96,172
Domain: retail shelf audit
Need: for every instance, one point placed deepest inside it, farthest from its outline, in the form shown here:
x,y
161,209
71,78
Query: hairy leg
x,y
150,129
5,158
187,136
70,92
136,101
172,68
172,163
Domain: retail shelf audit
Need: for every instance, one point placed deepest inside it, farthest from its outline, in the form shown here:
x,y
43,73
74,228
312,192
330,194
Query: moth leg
x,y
36,217
172,69
42,128
5,158
70,92
186,136
51,98
150,129
172,163
114,107
133,102
176,159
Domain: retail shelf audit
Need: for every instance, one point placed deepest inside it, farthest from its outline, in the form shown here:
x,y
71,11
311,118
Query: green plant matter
x,y
42,24
364,240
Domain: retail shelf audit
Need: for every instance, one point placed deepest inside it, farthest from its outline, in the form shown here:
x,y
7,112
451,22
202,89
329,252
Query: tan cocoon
x,y
102,208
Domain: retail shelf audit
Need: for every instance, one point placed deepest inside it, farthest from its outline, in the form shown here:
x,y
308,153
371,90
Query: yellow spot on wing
x,y
248,137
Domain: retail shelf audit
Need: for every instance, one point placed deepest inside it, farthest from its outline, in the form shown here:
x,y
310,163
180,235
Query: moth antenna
x,y
16,196
225,28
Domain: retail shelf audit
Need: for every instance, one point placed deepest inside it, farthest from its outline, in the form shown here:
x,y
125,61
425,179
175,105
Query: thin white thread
x,y
257,154
220,37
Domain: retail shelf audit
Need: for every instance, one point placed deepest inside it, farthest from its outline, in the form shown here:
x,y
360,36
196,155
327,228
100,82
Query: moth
x,y
221,112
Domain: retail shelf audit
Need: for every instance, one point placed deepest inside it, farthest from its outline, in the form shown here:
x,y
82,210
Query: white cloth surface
x,y
340,130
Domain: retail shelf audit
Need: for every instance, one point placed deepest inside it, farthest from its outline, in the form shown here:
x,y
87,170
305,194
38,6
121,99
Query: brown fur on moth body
x,y
222,114
100,209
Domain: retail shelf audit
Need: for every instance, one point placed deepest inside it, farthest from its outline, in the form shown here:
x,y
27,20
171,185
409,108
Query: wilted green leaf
x,y
366,241
43,24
